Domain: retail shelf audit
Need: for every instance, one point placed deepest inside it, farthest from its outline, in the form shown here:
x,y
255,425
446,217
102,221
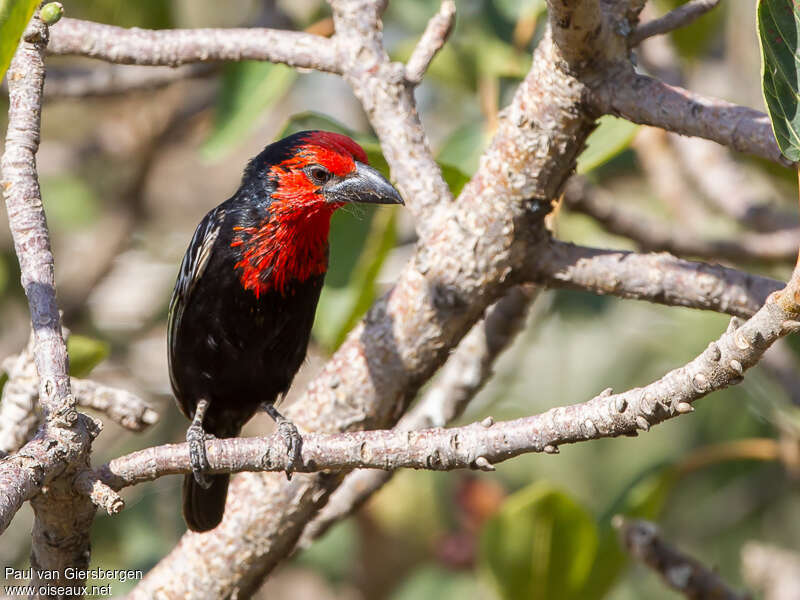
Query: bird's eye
x,y
318,174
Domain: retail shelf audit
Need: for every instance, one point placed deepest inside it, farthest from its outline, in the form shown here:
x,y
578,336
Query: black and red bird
x,y
244,302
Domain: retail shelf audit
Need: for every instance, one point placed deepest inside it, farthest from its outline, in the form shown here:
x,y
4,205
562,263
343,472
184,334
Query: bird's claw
x,y
293,441
196,438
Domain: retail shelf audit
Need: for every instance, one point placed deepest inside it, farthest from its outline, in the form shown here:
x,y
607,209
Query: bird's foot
x,y
291,437
293,441
196,438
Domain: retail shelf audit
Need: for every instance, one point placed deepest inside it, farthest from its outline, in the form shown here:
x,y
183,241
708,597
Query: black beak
x,y
365,185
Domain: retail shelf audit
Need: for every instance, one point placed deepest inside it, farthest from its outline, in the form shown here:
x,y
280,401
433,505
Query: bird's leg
x,y
196,438
290,435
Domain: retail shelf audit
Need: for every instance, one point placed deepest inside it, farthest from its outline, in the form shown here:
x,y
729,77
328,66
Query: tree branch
x,y
462,377
675,19
18,418
467,256
678,570
647,101
432,40
62,516
658,278
729,186
481,445
112,80
651,234
174,47
121,406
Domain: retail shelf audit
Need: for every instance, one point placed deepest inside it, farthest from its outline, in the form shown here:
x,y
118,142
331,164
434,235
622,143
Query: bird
x,y
246,293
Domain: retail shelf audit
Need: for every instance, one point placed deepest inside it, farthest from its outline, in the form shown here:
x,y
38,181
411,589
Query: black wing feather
x,y
192,268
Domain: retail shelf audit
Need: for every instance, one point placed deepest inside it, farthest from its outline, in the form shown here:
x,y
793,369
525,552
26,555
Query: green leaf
x,y
248,89
14,16
539,546
612,136
85,354
778,32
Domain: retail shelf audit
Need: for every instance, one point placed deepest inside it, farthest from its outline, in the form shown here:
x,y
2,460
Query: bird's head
x,y
319,171
304,178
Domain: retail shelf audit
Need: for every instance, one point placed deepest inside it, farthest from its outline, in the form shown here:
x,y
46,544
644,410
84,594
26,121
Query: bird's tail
x,y
203,508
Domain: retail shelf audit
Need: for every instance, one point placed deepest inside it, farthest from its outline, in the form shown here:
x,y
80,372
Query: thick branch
x,y
173,47
645,100
679,571
675,19
659,278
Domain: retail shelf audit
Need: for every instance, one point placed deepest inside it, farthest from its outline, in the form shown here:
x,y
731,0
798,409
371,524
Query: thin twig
x,y
113,80
679,571
121,406
652,234
432,40
18,418
729,185
675,19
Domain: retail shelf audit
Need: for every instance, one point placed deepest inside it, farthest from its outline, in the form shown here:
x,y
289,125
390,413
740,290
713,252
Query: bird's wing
x,y
192,267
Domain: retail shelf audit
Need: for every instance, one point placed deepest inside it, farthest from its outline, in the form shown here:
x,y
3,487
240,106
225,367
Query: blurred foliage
x,y
14,16
697,38
779,34
248,89
150,14
85,354
70,203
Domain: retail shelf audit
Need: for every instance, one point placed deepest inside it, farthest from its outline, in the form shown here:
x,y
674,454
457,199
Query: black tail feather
x,y
203,508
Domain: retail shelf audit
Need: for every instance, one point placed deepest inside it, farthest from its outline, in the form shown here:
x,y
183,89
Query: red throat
x,y
291,245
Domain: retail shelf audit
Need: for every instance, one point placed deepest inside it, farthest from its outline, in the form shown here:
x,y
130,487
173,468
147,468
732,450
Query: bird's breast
x,y
287,247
